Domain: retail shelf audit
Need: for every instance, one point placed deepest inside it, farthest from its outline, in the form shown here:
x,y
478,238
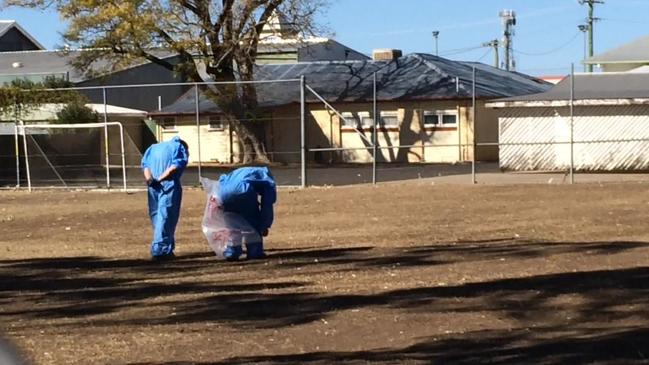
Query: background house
x,y
424,102
14,38
626,57
608,109
23,58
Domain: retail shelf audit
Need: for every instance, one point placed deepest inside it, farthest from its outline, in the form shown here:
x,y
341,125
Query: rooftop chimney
x,y
386,54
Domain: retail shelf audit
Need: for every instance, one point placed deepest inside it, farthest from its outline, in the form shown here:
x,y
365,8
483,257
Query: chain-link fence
x,y
310,139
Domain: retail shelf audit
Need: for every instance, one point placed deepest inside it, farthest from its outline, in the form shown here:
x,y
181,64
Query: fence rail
x,y
301,149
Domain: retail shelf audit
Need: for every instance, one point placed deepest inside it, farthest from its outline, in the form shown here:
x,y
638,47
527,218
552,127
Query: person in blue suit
x,y
163,164
250,192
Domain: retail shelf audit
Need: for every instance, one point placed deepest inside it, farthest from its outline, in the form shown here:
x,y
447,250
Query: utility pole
x,y
494,43
591,21
508,19
584,29
436,36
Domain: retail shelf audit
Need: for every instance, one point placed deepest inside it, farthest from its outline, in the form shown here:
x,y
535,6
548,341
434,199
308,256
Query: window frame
x,y
169,128
366,121
389,114
439,113
349,116
221,123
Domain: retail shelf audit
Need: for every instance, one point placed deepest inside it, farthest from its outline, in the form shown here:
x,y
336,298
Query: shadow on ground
x,y
567,317
624,346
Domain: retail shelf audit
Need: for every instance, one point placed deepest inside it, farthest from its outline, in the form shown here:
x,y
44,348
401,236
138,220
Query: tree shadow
x,y
600,346
437,254
584,316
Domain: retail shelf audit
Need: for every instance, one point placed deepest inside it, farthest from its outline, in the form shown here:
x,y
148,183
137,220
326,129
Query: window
x,y
216,123
440,118
350,120
367,121
389,119
449,119
168,124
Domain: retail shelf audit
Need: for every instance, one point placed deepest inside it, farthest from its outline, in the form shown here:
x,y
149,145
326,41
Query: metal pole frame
x,y
572,105
303,148
377,117
29,175
121,139
473,118
106,149
319,97
17,150
76,125
49,163
198,132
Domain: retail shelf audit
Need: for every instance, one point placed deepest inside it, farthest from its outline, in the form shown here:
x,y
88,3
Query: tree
x,y
212,41
76,112
21,96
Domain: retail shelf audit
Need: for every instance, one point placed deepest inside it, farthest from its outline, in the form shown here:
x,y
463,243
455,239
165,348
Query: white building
x,y
609,127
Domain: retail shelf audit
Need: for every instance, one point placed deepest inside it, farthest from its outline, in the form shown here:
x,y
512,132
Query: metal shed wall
x,y
537,139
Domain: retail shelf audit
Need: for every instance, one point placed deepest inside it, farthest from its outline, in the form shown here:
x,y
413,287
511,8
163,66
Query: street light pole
x,y
436,36
584,29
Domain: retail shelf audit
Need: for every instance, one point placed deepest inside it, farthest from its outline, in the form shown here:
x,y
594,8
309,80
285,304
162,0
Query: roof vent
x,y
386,54
17,65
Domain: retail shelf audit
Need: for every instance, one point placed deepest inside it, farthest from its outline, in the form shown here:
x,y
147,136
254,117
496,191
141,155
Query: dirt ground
x,y
401,273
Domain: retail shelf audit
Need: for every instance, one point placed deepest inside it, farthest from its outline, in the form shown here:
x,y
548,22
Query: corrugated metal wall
x,y
604,128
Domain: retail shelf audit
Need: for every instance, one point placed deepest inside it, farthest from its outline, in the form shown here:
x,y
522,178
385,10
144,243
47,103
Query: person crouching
x,y
250,192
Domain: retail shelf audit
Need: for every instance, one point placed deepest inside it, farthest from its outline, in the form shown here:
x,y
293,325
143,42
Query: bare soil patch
x,y
402,273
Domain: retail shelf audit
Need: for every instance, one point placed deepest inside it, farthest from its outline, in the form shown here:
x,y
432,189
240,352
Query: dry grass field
x,y
401,273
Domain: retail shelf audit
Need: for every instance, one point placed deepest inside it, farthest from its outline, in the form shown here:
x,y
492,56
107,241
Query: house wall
x,y
619,67
14,40
215,145
276,57
325,129
606,124
487,132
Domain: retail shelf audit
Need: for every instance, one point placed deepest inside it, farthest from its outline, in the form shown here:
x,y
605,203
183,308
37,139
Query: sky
x,y
546,41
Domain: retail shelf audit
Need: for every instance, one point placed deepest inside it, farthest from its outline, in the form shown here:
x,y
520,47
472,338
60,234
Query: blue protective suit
x,y
251,193
165,196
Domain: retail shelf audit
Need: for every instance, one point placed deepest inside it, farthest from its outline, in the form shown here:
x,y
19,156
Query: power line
x,y
484,55
624,21
552,50
451,52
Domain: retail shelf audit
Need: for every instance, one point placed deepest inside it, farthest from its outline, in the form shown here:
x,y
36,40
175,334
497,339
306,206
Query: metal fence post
x,y
376,130
198,132
572,102
302,133
106,149
17,150
121,145
29,175
475,134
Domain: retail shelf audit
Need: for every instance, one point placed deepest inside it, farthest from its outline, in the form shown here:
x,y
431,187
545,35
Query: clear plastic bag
x,y
221,228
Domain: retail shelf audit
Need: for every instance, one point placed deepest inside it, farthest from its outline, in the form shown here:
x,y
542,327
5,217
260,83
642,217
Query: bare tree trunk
x,y
239,106
253,146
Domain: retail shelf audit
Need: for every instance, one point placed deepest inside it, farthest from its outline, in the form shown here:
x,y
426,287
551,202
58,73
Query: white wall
x,y
604,127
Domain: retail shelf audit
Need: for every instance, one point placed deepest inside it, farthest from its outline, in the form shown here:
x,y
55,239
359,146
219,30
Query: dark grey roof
x,y
412,77
50,63
635,51
595,86
38,62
